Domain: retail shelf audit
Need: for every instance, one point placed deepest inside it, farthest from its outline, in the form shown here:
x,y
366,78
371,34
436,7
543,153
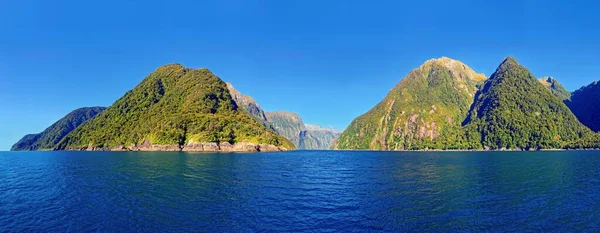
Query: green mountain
x,y
585,104
555,87
289,125
175,108
513,110
424,110
51,136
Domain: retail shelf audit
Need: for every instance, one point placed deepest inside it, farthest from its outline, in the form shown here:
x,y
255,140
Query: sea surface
x,y
300,191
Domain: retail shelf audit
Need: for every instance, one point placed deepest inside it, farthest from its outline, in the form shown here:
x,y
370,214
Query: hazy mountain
x,y
289,125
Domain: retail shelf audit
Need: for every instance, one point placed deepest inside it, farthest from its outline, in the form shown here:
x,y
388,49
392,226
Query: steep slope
x,y
289,125
424,110
317,137
50,137
585,104
286,124
247,104
555,87
513,110
175,108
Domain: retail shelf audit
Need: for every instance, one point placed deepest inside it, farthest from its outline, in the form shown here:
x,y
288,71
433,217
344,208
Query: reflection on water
x,y
300,191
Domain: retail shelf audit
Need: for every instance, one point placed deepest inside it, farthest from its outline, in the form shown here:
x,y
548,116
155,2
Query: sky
x,y
329,61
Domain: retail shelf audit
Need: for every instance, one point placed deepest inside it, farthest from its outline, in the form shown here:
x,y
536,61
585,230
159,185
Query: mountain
x,y
247,104
513,110
424,110
317,137
52,135
304,136
585,103
175,108
555,87
289,125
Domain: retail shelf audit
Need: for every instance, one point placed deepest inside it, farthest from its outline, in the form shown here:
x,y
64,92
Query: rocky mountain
x,y
514,111
585,103
555,87
289,125
51,136
317,137
424,110
247,104
175,108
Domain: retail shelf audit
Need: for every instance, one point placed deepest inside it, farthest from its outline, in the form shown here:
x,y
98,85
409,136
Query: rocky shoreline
x,y
193,147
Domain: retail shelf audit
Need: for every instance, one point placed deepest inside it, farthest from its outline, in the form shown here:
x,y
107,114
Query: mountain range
x,y
443,104
177,108
287,124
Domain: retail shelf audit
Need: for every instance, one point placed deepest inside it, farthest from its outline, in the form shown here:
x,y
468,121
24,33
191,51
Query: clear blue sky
x,y
329,61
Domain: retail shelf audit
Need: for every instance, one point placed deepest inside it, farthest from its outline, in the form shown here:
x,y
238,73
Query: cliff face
x,y
247,104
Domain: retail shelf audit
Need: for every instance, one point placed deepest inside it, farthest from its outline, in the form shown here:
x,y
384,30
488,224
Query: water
x,y
321,191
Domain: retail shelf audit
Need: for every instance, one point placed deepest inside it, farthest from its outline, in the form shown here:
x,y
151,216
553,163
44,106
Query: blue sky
x,y
329,61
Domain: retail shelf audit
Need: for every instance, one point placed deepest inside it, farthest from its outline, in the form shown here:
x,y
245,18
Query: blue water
x,y
321,191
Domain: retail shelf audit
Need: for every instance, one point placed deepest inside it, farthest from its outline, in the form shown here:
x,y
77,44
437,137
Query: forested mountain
x,y
555,87
175,108
514,111
585,104
424,110
434,108
49,138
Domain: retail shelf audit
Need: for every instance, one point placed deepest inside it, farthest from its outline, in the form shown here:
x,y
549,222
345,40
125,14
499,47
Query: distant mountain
x,y
289,125
173,109
585,104
317,137
555,87
50,137
514,111
424,110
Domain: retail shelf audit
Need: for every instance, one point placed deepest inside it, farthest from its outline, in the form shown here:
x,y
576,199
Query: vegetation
x,y
286,124
514,111
585,103
432,109
173,106
51,136
556,88
424,111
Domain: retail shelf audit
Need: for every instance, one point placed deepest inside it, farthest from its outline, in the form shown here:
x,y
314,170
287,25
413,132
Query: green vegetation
x,y
432,108
424,111
585,104
50,137
172,106
514,111
556,88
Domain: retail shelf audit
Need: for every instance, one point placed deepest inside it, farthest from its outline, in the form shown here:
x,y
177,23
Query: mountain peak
x,y
455,66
